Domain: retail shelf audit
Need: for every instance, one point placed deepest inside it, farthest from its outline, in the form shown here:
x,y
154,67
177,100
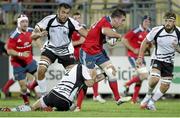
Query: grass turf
x,y
165,108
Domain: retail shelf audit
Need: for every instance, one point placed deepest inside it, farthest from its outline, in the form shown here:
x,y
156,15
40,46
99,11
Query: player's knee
x,y
110,72
165,83
23,89
165,86
43,66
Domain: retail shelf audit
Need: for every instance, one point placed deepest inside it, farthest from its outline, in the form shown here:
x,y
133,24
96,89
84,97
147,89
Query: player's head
x,y
170,20
22,22
146,21
77,16
63,12
118,18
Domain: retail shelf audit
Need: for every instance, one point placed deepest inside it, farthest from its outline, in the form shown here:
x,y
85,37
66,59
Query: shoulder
x,y
157,28
136,30
178,28
14,34
47,18
73,21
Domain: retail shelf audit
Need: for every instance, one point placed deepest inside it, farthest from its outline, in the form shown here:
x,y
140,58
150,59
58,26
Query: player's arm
x,y
110,33
38,33
126,39
176,47
83,32
37,43
10,50
79,42
141,51
128,46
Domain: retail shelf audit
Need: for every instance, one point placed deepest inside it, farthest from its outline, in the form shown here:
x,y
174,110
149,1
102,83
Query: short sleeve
x,y
11,43
150,36
76,24
44,22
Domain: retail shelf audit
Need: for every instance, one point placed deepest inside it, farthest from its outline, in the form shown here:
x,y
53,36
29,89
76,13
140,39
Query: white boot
x,y
99,99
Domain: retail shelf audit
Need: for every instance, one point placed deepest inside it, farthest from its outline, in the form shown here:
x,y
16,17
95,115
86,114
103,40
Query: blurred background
x,y
91,11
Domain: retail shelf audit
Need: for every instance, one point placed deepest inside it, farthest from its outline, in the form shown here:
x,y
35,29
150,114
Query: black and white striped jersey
x,y
72,81
59,39
164,50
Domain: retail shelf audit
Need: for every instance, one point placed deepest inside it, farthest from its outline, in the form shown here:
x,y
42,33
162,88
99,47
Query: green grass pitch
x,y
165,108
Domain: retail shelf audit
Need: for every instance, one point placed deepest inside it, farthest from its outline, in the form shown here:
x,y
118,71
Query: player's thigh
x,y
48,56
87,60
19,73
102,59
32,67
67,60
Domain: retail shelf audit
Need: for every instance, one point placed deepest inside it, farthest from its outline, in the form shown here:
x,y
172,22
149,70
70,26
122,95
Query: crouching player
x,y
63,94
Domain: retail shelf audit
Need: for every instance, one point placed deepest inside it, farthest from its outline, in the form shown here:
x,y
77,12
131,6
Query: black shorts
x,y
64,60
54,99
166,69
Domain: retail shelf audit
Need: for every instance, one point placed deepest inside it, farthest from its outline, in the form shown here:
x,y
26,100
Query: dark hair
x,y
76,13
118,13
65,5
170,15
146,17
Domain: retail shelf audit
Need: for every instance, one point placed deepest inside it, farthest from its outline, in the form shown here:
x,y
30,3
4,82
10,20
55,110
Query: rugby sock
x,y
42,85
7,85
80,97
95,89
114,87
157,95
25,98
136,93
133,80
32,85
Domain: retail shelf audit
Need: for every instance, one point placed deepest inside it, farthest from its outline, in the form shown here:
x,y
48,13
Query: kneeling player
x,y
63,94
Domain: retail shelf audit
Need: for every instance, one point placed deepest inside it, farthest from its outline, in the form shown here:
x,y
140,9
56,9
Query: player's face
x,y
24,25
63,14
77,18
119,21
169,24
146,23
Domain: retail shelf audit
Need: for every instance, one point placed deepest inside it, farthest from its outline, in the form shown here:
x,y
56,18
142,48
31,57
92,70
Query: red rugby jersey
x,y
20,42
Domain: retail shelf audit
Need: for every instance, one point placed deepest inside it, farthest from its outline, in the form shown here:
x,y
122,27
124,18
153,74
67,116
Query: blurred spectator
x,y
70,2
2,48
2,16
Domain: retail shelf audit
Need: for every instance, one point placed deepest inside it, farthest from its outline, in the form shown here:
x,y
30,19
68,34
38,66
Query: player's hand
x,y
43,33
26,54
113,68
139,61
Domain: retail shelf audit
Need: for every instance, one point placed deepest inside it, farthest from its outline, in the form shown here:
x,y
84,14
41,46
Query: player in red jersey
x,y
78,40
132,40
92,52
19,47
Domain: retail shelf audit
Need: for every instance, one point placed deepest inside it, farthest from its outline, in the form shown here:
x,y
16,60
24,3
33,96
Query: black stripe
x,y
170,57
172,53
60,26
167,35
68,82
65,85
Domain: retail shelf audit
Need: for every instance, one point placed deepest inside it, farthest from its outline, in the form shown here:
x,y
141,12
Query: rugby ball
x,y
111,41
